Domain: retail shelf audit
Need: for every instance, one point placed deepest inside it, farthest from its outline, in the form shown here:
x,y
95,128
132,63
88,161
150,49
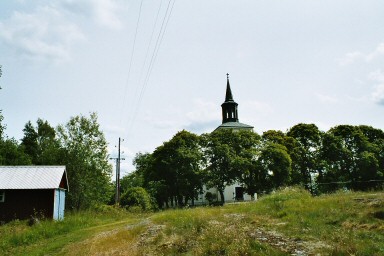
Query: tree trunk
x,y
222,197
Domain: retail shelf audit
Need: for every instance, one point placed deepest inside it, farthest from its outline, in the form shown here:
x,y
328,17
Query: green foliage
x,y
86,160
2,126
173,172
352,157
136,196
133,179
304,155
12,154
41,144
210,197
276,162
219,152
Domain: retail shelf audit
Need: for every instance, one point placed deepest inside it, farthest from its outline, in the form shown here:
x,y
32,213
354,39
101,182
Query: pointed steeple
x,y
229,107
230,114
228,94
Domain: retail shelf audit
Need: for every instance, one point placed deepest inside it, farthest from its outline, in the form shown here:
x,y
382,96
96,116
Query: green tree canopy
x,y
305,162
86,159
177,165
41,144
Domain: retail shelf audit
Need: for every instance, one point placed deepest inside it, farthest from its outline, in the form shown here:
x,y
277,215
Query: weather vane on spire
x,y
227,76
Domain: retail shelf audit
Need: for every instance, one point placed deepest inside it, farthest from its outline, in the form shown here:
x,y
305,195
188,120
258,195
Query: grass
x,y
288,221
46,237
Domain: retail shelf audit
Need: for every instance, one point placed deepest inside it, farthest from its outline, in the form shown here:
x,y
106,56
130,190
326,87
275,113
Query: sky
x,y
152,68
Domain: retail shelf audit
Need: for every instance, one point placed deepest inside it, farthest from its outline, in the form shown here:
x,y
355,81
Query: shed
x,y
27,191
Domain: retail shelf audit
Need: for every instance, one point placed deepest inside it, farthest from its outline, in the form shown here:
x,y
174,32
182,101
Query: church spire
x,y
228,94
229,107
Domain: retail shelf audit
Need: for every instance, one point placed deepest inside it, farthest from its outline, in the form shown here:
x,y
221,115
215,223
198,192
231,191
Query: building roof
x,y
234,125
33,177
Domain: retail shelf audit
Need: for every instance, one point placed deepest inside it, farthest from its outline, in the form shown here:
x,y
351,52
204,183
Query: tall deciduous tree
x,y
41,144
86,158
305,156
363,147
12,154
334,162
276,162
246,161
2,127
177,165
219,151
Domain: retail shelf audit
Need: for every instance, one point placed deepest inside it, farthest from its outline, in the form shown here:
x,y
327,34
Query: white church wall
x,y
229,195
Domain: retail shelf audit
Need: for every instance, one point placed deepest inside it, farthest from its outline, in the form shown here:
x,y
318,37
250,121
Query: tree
x,y
12,154
136,196
41,144
334,162
219,152
367,171
29,142
275,161
2,127
305,155
177,165
133,179
86,159
363,145
246,161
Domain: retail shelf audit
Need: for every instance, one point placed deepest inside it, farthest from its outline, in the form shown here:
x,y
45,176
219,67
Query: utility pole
x,y
118,160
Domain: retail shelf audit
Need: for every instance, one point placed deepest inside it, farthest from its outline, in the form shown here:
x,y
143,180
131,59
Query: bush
x,y
136,196
211,198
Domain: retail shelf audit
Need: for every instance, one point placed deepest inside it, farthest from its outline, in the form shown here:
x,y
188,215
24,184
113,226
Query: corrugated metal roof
x,y
31,177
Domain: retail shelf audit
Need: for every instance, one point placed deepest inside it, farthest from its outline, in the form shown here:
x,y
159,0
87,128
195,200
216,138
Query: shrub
x,y
211,198
136,196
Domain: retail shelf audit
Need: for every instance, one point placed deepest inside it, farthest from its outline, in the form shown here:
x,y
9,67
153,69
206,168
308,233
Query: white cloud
x,y
350,58
203,111
377,77
103,12
257,107
42,34
379,51
327,98
356,56
378,94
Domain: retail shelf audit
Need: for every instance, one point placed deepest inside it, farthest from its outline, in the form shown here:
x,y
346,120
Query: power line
x,y
131,60
134,106
153,58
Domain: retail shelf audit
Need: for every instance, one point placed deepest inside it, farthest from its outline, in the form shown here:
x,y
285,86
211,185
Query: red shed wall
x,y
22,204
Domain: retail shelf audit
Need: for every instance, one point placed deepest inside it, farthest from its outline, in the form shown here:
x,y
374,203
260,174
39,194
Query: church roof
x,y
234,125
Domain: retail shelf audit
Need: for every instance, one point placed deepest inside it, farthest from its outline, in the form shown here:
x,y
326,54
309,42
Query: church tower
x,y
229,107
230,116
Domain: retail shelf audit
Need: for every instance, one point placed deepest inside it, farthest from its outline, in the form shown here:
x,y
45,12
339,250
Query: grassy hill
x,y
287,222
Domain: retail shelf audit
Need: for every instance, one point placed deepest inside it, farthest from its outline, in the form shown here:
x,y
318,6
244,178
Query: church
x,y
230,120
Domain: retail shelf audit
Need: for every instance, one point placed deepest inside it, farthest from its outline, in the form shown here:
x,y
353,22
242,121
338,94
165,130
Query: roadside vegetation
x,y
286,222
